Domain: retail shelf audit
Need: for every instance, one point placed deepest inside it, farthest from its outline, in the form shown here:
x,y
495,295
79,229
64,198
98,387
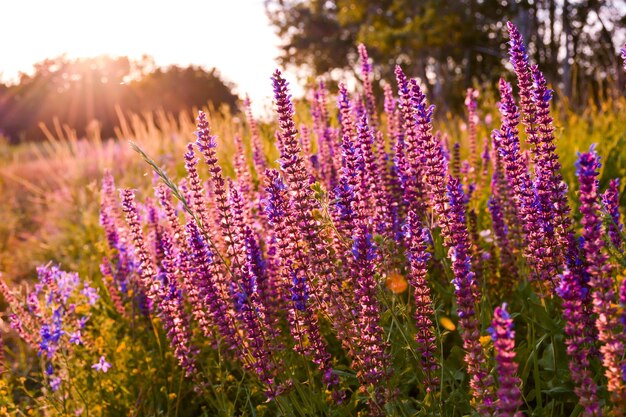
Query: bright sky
x,y
234,36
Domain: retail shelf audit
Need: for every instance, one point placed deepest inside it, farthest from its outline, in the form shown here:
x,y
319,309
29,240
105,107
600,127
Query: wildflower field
x,y
360,255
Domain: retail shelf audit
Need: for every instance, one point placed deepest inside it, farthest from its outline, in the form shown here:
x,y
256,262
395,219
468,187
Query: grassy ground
x,y
50,194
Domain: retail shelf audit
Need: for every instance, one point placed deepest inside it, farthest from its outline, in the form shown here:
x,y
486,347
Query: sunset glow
x,y
233,36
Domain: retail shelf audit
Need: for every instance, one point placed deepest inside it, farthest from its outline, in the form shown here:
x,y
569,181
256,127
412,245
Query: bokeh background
x,y
76,61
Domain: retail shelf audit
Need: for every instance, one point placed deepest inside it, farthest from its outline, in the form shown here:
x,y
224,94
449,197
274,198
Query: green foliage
x,y
450,44
144,378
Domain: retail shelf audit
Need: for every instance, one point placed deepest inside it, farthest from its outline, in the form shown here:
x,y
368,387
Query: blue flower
x,y
50,336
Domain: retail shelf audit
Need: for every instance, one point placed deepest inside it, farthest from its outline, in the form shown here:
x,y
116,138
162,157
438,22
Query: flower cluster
x,y
265,260
610,201
467,293
503,335
53,318
359,271
599,269
574,291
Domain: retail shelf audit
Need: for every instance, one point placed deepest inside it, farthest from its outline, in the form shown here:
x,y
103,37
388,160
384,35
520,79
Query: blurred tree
x,y
449,44
312,34
174,89
79,91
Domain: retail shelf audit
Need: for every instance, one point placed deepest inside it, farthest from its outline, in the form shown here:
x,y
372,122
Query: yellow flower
x,y
447,324
396,283
485,340
82,309
99,342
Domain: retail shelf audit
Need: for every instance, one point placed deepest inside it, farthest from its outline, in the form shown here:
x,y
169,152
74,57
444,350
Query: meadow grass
x,y
52,209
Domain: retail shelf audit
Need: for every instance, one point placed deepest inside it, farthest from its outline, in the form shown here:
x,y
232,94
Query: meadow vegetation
x,y
360,255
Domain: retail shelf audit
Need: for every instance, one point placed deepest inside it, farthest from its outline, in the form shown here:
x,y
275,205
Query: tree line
x,y
451,44
80,91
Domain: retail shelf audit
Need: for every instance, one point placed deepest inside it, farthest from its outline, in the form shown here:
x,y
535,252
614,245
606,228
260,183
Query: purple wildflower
x,y
242,172
325,143
172,311
350,185
265,285
258,153
551,189
203,286
471,105
503,335
207,146
425,337
50,335
111,286
410,99
369,353
262,332
55,383
20,321
198,201
110,217
366,75
147,269
506,142
466,293
292,165
600,277
486,159
82,321
375,361
501,191
552,218
429,160
519,59
393,128
580,343
76,338
91,294
372,179
292,264
610,201
193,290
503,242
102,365
346,120
251,316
